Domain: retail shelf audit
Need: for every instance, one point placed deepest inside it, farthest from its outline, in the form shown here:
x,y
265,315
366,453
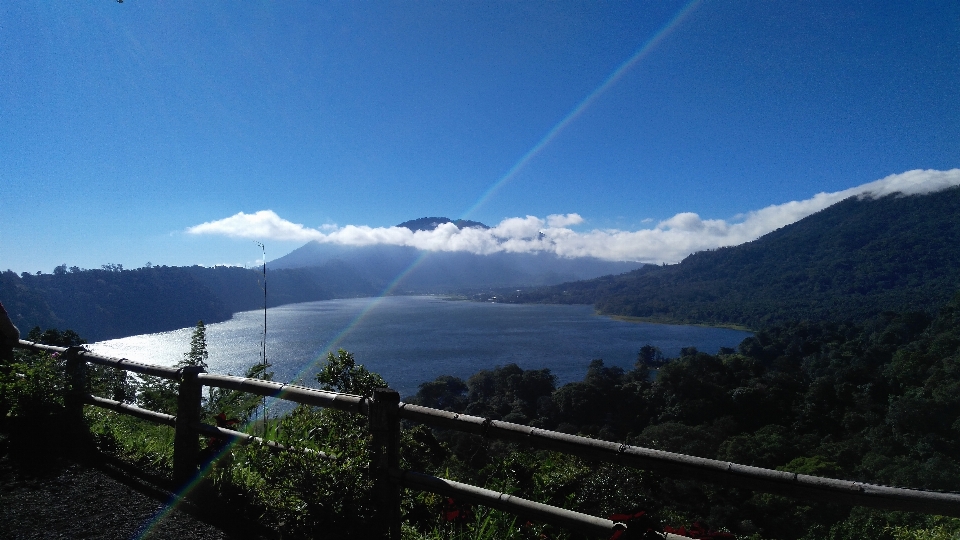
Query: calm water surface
x,y
413,339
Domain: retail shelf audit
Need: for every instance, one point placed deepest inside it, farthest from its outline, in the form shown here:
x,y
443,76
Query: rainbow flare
x,y
617,74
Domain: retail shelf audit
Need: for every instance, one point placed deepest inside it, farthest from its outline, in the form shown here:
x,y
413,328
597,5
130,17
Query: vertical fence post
x,y
385,454
77,379
186,443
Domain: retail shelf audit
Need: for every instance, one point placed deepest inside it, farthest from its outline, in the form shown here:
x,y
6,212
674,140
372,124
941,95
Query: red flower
x,y
455,512
639,526
223,422
216,444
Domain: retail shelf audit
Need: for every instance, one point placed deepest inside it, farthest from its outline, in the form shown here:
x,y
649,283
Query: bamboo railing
x,y
385,412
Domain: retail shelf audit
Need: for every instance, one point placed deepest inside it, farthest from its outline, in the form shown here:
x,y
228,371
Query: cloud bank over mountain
x,y
669,241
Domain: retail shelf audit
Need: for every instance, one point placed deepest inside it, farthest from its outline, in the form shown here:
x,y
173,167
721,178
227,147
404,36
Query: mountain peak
x,y
431,223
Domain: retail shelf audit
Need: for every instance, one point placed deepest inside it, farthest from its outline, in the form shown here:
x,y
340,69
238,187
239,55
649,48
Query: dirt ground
x,y
46,494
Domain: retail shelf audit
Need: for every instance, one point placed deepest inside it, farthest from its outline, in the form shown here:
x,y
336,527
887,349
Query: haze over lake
x,y
413,339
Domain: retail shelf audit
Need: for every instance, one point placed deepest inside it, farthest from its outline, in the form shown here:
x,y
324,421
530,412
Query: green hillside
x,y
114,302
847,262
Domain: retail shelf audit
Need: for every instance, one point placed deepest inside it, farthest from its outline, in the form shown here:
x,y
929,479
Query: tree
x,y
446,392
341,373
198,348
161,394
52,336
650,356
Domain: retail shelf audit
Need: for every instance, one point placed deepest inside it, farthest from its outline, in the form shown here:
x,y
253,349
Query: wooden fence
x,y
385,412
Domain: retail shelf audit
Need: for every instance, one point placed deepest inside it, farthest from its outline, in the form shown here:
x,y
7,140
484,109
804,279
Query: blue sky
x,y
125,127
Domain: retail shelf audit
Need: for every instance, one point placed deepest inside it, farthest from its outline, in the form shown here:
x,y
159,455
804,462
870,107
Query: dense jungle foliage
x,y
876,402
846,262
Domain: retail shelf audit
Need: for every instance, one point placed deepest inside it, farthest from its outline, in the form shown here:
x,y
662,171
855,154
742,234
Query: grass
x,y
300,493
131,439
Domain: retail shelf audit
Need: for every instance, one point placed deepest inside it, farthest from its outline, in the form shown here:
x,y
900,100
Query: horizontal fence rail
x,y
502,501
246,438
40,347
584,523
127,365
290,392
710,470
132,410
118,363
385,413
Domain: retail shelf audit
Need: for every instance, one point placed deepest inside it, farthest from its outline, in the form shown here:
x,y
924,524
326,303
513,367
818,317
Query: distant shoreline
x,y
664,320
627,318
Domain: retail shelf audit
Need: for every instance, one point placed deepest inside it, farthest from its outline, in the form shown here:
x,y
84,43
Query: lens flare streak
x,y
617,74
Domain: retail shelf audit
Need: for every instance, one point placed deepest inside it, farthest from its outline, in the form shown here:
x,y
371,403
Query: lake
x,y
413,339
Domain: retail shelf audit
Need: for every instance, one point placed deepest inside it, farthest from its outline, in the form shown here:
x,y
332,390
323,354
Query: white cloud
x,y
670,241
685,221
265,224
563,220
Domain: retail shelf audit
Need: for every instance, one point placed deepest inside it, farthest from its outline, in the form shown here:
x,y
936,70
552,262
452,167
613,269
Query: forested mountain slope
x,y
113,302
847,262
